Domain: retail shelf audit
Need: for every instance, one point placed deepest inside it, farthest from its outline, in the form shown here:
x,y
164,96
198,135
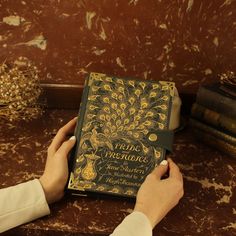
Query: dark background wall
x,y
186,41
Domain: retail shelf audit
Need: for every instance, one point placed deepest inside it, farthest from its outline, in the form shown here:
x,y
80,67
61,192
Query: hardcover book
x,y
215,142
217,98
122,134
213,118
213,131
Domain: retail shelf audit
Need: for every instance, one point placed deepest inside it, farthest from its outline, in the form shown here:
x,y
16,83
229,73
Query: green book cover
x,y
122,134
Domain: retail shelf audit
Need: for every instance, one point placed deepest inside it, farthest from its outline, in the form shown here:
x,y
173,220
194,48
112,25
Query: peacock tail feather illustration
x,y
119,111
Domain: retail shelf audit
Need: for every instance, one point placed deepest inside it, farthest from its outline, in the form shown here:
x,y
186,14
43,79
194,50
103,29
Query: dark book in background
x,y
215,142
212,131
121,134
213,118
217,98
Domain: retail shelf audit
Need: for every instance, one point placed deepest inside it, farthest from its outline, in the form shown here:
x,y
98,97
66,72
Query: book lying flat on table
x,y
214,119
218,98
122,134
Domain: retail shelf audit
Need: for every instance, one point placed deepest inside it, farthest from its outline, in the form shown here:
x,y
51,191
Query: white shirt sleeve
x,y
135,224
22,203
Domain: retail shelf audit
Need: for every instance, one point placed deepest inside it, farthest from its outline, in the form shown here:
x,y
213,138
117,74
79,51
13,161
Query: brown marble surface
x,y
207,208
186,41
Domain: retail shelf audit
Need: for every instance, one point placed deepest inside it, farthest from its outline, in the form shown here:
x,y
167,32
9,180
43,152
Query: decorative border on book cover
x,y
113,149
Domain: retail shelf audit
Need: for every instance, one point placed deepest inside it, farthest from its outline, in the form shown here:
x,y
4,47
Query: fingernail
x,y
164,163
72,138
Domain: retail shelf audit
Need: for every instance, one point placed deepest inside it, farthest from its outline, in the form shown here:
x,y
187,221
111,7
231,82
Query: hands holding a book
x,y
56,173
155,198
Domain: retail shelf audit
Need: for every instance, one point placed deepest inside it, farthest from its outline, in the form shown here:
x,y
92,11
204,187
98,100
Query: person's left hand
x,y
55,174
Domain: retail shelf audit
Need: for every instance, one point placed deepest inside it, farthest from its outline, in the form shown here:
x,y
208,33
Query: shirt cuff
x,y
21,204
135,224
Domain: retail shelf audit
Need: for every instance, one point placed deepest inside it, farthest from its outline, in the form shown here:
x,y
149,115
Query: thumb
x,y
67,146
160,170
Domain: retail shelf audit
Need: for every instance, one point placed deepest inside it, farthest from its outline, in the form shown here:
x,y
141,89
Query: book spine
x,y
214,142
214,132
213,118
217,102
80,119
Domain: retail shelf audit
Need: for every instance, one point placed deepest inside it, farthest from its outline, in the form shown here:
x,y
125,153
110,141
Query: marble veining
x,y
208,206
188,42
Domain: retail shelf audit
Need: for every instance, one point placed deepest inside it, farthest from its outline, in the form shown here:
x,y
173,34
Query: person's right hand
x,y
156,196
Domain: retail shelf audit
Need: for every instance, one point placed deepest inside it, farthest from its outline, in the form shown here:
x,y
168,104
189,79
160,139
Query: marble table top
x,y
207,208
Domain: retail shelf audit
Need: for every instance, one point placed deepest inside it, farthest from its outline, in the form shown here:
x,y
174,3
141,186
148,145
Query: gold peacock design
x,y
119,109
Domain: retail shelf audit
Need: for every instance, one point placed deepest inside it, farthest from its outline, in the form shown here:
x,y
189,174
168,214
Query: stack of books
x,y
213,117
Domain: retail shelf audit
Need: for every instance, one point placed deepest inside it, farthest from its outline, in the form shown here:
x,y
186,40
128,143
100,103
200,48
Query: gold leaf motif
x,y
157,154
140,112
102,117
132,126
142,127
101,188
114,116
93,98
120,81
118,123
114,95
145,131
155,86
108,118
107,110
131,100
153,95
106,100
114,106
147,123
161,126
162,116
107,87
149,114
90,116
121,90
137,117
130,133
118,111
136,135
113,128
131,82
92,107
144,105
137,92
126,121
163,107
97,76
122,106
95,88
109,79
121,128
145,149
129,192
78,171
106,131
143,85
132,110
122,115
165,87
165,98
120,97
